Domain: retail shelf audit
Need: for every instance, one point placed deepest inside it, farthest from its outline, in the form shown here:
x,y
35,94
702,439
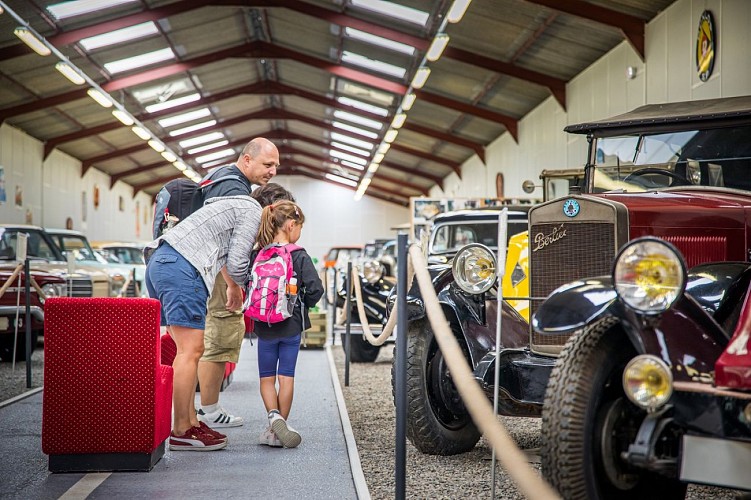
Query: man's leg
x,y
210,376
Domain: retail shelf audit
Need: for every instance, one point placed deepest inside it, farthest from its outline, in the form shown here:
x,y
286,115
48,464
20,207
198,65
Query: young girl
x,y
279,343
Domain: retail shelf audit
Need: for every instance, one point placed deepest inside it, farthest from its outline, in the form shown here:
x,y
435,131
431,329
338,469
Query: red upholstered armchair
x,y
107,398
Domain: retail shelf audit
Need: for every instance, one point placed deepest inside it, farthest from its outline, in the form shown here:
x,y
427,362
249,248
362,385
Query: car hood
x,y
61,269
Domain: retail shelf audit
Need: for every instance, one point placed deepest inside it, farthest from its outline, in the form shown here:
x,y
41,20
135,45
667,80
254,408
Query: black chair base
x,y
106,462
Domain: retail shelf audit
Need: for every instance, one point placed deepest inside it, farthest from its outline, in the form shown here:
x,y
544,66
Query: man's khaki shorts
x,y
225,329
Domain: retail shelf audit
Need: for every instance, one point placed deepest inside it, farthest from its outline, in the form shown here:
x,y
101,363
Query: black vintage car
x,y
449,232
678,171
653,388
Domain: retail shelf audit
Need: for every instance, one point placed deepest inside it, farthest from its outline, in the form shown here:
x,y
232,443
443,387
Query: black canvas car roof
x,y
673,116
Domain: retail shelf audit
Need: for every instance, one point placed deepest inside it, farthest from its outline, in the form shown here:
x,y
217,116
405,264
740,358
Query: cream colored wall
x,y
667,75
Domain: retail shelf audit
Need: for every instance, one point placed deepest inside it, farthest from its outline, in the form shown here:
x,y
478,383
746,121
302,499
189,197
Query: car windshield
x,y
123,255
450,237
37,247
79,246
712,157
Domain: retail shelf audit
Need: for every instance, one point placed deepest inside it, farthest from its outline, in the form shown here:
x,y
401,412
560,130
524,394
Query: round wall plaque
x,y
706,46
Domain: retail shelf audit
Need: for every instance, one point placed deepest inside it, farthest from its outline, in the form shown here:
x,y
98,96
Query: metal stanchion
x,y
332,308
401,368
27,281
500,272
347,333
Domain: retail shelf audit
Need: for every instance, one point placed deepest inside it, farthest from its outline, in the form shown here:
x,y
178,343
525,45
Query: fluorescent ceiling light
x,y
123,117
373,64
214,163
349,164
184,117
390,135
343,115
180,166
373,167
169,156
351,149
457,10
362,105
151,108
139,61
380,41
399,120
409,100
378,158
215,156
201,139
356,130
142,133
341,180
208,146
192,128
156,145
78,7
99,97
32,41
347,156
119,36
392,9
71,74
421,76
336,136
383,148
1,9
437,46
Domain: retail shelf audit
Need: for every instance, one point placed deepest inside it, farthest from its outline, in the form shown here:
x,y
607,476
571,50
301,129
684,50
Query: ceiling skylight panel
x,y
349,164
119,36
351,149
152,108
335,136
195,141
192,128
185,117
351,117
341,180
215,156
395,10
380,41
347,156
363,106
139,61
208,146
373,64
64,10
356,130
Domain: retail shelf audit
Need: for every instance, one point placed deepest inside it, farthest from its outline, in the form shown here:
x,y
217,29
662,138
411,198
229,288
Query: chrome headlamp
x,y
474,268
648,382
54,290
372,271
649,275
117,281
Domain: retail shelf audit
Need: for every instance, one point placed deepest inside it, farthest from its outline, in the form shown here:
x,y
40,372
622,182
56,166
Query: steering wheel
x,y
679,179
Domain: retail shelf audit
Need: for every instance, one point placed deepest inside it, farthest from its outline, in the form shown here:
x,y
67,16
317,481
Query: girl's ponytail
x,y
273,218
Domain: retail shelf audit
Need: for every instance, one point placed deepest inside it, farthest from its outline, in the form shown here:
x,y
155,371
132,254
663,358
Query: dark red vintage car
x,y
13,310
652,389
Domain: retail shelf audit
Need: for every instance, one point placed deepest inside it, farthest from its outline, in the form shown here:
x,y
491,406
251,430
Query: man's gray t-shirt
x,y
228,187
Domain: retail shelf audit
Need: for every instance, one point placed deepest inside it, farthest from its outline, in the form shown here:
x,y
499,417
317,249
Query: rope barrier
x,y
13,276
512,459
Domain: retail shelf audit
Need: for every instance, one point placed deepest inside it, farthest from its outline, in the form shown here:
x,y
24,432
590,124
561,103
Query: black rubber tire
x,y
361,351
584,387
6,346
433,426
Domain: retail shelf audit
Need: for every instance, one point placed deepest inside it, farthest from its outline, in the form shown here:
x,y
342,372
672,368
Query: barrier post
x,y
401,368
347,334
27,291
332,308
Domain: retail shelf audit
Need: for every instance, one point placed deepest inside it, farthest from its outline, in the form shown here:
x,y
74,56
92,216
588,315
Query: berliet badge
x,y
571,208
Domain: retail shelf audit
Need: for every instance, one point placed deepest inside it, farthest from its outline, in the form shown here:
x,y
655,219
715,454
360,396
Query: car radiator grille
x,y
587,249
81,287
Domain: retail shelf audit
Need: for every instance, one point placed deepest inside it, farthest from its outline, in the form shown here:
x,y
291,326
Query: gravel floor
x,y
371,411
13,381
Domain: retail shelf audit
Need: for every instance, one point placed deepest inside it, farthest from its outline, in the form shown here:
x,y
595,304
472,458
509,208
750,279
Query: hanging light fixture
x,y
32,41
99,97
69,73
437,46
124,117
457,10
421,76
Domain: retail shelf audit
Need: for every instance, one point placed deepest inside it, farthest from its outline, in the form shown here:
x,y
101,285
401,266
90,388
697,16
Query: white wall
x,y
52,192
667,75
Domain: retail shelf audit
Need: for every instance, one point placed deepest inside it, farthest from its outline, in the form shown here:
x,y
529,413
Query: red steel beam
x,y
630,26
401,200
87,164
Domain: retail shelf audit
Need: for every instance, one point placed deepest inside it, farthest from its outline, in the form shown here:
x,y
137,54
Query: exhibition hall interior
x,y
375,249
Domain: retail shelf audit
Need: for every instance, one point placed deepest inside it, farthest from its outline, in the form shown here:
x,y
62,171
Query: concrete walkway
x,y
319,468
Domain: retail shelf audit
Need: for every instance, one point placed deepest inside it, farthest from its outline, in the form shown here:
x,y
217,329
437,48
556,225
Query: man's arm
x,y
234,292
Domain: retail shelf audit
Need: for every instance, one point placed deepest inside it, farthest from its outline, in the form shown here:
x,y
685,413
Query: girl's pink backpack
x,y
268,298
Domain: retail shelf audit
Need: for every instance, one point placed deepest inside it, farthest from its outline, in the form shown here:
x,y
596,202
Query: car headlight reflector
x,y
649,275
648,382
53,290
474,268
372,271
